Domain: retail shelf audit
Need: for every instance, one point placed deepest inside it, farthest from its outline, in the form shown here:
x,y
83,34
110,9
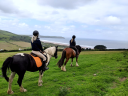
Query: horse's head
x,y
55,53
79,48
52,51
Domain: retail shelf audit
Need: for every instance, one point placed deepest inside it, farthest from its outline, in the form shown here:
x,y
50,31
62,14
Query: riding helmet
x,y
73,36
35,33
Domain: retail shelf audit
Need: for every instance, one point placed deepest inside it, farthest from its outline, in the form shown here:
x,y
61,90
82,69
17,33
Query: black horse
x,y
20,63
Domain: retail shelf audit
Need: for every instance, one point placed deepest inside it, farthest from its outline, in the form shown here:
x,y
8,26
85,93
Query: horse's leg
x,y
77,62
10,82
40,78
21,76
71,62
64,69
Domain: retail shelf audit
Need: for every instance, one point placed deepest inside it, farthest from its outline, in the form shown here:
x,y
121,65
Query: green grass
x,y
110,67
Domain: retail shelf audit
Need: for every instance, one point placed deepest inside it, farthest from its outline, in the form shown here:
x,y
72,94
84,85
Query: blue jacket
x,y
73,43
36,45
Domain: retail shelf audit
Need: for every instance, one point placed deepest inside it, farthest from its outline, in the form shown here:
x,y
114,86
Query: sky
x,y
93,19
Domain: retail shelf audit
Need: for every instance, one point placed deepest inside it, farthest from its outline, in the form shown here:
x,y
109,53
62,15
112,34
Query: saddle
x,y
75,50
37,56
37,59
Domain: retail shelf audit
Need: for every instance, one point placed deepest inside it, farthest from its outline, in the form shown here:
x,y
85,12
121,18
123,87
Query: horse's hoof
x,y
71,65
61,68
40,85
23,90
64,70
77,65
10,92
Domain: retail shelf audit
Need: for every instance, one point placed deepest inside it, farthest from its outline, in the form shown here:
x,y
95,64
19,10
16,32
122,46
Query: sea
x,y
89,43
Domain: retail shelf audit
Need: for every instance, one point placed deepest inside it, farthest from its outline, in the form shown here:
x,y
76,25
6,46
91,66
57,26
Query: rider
x,y
73,44
37,48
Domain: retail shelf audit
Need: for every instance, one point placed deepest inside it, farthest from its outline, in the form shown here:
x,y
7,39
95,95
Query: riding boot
x,y
44,66
77,53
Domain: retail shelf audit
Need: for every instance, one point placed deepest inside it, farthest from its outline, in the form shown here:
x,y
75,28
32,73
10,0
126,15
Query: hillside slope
x,y
8,36
11,41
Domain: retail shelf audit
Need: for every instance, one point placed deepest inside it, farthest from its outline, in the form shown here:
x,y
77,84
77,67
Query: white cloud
x,y
65,16
47,27
85,26
66,4
112,20
72,26
37,26
23,25
7,6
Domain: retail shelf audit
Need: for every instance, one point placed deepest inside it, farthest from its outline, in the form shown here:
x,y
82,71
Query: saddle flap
x,y
74,51
38,61
33,54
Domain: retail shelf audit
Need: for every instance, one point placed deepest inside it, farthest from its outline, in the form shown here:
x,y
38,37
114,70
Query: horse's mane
x,y
78,47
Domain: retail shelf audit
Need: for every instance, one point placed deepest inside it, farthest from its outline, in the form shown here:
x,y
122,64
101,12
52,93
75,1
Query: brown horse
x,y
68,53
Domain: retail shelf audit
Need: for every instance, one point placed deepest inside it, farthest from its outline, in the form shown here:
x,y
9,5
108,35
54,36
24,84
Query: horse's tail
x,y
6,65
61,61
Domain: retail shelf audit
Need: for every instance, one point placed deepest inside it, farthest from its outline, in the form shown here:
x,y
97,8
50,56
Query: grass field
x,y
14,45
110,69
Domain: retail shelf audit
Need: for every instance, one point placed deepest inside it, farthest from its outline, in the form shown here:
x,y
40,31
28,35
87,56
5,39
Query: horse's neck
x,y
50,50
49,54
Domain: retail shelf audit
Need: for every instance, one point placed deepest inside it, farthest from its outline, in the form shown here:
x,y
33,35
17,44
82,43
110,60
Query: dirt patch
x,y
123,79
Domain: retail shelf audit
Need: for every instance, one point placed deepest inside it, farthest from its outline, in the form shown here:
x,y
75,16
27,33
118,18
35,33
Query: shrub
x,y
100,47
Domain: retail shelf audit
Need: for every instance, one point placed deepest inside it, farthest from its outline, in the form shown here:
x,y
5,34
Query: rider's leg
x,y
44,67
75,50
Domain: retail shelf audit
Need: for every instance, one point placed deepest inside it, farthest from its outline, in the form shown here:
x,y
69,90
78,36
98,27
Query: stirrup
x,y
46,68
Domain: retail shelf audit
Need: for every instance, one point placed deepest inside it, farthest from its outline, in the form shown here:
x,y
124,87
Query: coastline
x,y
54,43
59,43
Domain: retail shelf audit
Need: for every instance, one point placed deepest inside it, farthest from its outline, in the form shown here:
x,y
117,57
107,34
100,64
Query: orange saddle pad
x,y
37,61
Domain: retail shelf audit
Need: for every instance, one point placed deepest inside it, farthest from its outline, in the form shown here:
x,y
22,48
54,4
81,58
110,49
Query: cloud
x,y
52,17
55,12
66,4
37,26
84,26
112,20
7,6
47,27
23,25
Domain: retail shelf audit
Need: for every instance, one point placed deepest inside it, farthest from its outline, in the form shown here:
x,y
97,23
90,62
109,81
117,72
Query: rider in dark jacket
x,y
37,48
36,45
73,44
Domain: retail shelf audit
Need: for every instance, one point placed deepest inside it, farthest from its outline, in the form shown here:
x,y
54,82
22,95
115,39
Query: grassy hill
x,y
110,79
8,36
11,41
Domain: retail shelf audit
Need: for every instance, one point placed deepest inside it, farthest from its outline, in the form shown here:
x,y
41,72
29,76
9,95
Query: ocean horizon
x,y
89,43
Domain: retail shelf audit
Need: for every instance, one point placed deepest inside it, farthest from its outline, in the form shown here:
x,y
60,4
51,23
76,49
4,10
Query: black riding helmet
x,y
35,33
73,36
